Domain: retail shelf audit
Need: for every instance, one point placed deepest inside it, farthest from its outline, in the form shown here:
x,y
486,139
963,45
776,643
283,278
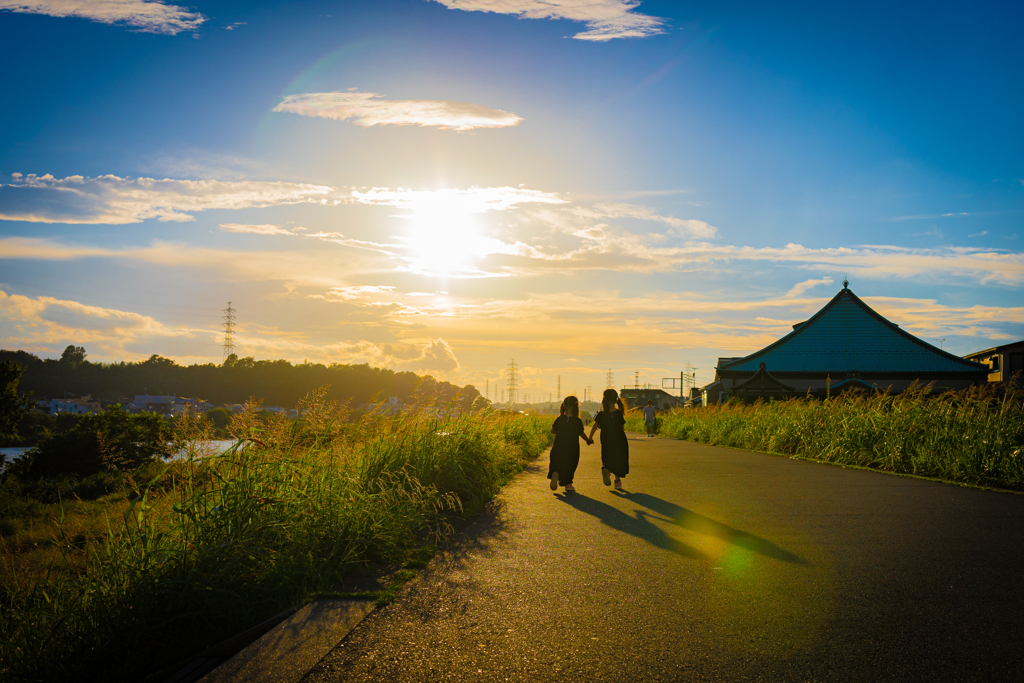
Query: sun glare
x,y
446,244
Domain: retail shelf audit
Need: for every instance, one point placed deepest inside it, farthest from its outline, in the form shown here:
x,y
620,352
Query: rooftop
x,y
847,335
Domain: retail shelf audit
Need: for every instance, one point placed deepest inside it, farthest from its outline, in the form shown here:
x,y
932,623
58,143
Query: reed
x,y
210,546
974,436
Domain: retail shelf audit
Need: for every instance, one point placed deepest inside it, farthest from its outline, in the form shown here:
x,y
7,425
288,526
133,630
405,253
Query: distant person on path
x,y
565,453
649,419
614,446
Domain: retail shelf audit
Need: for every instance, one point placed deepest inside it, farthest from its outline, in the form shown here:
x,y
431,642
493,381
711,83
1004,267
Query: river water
x,y
213,447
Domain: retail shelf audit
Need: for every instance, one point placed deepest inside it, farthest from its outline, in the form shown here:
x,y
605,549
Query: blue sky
x,y
441,186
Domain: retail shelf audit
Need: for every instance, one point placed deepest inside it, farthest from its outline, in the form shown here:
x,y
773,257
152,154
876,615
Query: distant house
x,y
388,407
844,345
168,405
75,406
1003,362
638,398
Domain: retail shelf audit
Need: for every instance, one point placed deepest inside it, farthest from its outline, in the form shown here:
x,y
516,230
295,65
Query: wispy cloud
x,y
145,16
472,200
366,109
264,229
979,234
112,200
684,227
233,26
801,287
605,19
925,217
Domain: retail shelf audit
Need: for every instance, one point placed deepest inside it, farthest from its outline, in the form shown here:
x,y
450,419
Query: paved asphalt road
x,y
713,564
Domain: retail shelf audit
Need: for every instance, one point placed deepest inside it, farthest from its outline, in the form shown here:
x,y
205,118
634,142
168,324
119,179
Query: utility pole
x,y
691,375
513,381
609,379
636,379
229,330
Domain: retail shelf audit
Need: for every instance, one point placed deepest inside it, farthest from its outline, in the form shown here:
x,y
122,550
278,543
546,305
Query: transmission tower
x,y
487,388
559,386
513,381
609,379
589,394
229,330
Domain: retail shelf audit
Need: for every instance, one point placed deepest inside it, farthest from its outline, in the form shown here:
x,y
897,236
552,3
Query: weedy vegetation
x,y
192,551
975,436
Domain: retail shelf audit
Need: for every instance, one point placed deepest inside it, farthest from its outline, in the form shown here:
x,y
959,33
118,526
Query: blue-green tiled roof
x,y
847,336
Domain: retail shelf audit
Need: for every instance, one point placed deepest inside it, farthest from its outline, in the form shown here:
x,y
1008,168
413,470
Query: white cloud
x,y
605,19
357,292
146,16
924,217
265,229
604,248
684,227
112,200
449,201
799,288
366,110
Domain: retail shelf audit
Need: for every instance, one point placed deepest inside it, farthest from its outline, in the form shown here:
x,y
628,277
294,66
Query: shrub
x,y
111,440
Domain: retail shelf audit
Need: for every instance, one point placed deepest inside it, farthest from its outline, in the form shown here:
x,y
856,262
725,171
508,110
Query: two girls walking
x,y
568,428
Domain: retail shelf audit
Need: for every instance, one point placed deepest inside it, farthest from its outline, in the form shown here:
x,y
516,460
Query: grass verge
x,y
206,548
973,437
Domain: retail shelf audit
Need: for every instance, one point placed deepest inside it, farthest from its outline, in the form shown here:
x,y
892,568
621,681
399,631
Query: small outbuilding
x,y
1005,363
637,397
844,345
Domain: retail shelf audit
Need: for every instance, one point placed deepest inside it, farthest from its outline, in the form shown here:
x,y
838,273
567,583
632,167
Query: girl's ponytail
x,y
609,399
621,405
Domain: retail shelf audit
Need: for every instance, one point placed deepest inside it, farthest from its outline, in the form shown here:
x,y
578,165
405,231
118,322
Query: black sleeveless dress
x,y
614,446
565,453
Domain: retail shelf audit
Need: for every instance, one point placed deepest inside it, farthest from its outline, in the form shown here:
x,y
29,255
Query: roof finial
x,y
846,283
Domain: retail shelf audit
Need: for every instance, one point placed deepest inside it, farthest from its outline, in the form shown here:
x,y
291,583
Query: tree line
x,y
277,382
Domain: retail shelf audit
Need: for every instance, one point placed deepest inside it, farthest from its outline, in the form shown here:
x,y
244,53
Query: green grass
x,y
207,548
973,437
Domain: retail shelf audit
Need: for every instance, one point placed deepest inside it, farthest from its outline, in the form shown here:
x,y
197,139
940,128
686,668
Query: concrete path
x,y
714,564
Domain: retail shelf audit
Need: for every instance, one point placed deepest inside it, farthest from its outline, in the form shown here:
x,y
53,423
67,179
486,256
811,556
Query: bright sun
x,y
445,243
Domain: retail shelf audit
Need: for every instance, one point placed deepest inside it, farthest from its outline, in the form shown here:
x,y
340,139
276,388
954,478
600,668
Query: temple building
x,y
844,345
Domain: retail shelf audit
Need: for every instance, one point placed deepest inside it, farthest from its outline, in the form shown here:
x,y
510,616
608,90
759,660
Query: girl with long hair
x,y
614,446
565,452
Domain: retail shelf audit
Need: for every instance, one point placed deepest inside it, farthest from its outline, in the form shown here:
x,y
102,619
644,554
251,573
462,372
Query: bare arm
x,y
592,430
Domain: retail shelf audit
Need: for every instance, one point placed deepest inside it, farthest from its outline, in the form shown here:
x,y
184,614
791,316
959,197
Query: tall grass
x,y
211,546
975,436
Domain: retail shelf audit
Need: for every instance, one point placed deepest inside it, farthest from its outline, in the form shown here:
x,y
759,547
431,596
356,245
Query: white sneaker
x,y
554,481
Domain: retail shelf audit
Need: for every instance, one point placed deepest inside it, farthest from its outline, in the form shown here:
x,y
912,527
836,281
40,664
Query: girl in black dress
x,y
614,446
565,453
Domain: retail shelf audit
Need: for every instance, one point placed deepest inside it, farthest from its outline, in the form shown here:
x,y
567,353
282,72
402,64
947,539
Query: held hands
x,y
590,442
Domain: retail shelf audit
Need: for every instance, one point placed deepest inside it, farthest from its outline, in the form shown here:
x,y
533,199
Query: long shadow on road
x,y
639,526
692,521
